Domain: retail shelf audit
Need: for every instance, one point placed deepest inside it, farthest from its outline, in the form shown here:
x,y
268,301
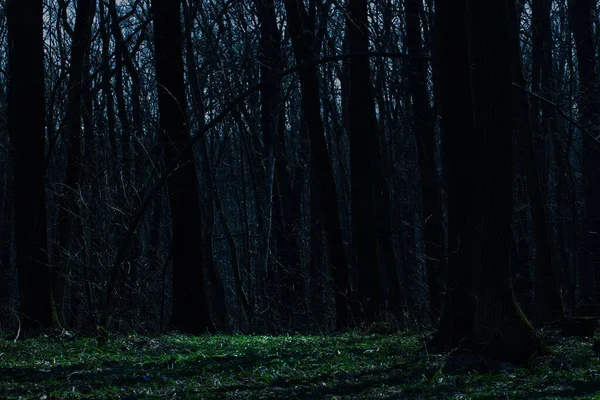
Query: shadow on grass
x,y
158,373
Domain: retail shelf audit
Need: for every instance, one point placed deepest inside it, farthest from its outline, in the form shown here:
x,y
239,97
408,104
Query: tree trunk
x,y
365,164
425,141
68,207
548,300
457,121
190,306
500,328
582,20
217,294
322,182
26,116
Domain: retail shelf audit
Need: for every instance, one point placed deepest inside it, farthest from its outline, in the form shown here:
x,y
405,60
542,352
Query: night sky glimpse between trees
x,y
282,166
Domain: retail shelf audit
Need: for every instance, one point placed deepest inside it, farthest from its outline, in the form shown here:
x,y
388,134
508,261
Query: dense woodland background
x,y
300,166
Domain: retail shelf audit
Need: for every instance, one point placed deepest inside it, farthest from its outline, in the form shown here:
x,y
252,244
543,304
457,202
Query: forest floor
x,y
348,366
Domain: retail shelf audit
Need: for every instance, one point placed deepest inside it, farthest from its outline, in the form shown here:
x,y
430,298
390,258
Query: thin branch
x,y
559,111
137,217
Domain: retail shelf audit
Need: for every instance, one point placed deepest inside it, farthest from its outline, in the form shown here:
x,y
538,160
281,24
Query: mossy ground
x,y
354,366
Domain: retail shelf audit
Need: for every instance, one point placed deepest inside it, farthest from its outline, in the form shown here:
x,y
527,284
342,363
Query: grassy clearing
x,y
284,367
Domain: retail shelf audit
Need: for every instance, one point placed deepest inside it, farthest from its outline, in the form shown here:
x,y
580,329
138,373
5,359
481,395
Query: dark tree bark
x,y
217,295
458,134
190,306
6,209
323,188
26,116
548,300
365,166
424,137
68,208
270,62
582,21
499,328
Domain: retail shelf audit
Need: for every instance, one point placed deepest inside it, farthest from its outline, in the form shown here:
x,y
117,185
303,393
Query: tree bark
x,y
68,207
190,306
425,141
26,116
500,328
458,133
217,294
364,165
548,300
582,20
323,185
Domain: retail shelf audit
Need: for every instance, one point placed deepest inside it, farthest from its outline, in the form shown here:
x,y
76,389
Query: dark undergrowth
x,y
348,366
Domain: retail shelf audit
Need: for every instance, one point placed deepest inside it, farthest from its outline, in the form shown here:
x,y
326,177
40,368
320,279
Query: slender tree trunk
x,y
270,109
425,140
218,289
323,185
277,186
365,165
548,300
71,190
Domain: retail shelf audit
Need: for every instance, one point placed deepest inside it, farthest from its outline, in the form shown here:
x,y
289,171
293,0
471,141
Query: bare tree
x,y
324,200
68,209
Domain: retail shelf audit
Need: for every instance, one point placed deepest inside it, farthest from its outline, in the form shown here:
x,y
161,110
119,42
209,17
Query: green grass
x,y
284,367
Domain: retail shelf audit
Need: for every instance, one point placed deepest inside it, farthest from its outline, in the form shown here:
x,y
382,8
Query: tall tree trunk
x,y
26,116
425,140
68,207
365,165
323,187
190,306
457,121
217,294
277,186
582,19
500,327
270,62
548,300
6,208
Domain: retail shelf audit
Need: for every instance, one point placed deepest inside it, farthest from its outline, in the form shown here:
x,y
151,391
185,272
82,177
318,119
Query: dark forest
x,y
302,169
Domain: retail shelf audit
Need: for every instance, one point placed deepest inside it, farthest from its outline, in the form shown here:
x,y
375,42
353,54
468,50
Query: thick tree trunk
x,y
500,328
26,116
582,20
457,121
190,306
